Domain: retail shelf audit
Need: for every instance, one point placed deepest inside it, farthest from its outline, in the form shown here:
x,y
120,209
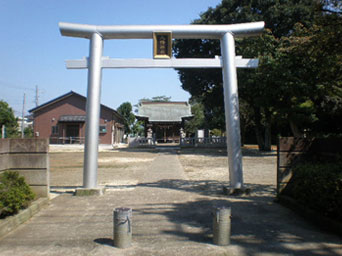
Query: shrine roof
x,y
166,111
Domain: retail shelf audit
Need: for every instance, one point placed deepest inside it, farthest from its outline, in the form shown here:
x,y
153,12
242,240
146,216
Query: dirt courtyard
x,y
122,168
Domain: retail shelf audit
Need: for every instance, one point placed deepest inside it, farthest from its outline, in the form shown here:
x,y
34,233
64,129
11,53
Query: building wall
x,y
48,116
106,119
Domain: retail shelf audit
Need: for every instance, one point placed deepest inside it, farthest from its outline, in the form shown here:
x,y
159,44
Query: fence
x,y
292,151
204,142
67,140
29,157
184,142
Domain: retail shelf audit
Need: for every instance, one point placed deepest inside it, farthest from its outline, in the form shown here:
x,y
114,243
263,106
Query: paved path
x,y
171,216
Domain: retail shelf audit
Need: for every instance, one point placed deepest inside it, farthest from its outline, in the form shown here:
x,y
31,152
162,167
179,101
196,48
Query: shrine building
x,y
164,121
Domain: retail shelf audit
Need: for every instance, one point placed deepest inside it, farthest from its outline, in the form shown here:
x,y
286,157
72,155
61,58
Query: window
x,y
103,129
55,129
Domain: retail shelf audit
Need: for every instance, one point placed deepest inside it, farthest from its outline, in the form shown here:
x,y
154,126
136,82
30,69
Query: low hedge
x,y
15,194
318,186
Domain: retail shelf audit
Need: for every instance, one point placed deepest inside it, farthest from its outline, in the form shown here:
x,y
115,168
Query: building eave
x,y
67,95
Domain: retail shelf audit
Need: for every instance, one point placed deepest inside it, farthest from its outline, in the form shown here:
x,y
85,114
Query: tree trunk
x,y
268,144
259,138
295,130
268,135
258,129
242,138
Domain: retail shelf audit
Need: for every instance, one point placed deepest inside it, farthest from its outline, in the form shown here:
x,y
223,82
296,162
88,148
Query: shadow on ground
x,y
104,241
258,225
198,151
205,187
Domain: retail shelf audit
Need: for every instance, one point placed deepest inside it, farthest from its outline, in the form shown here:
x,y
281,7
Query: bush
x,y
318,186
15,194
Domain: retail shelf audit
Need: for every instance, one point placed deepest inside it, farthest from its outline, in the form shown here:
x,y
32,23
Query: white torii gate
x,y
228,62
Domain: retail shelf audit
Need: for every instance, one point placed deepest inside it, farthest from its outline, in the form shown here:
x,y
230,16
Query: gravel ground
x,y
115,168
206,169
211,166
125,166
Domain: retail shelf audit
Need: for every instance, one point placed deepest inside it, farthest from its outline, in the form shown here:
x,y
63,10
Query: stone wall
x,y
292,151
29,157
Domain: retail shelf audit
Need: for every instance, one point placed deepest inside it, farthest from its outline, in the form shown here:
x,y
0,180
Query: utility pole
x,y
22,117
37,96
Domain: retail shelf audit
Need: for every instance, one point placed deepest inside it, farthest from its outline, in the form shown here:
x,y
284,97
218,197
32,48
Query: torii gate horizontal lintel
x,y
107,62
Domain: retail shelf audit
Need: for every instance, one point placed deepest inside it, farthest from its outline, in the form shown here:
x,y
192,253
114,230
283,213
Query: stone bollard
x,y
122,227
221,225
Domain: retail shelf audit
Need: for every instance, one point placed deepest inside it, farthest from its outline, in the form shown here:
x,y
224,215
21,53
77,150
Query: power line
x,y
13,86
18,87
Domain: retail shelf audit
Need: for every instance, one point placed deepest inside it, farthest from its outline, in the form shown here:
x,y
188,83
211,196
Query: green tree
x,y
8,119
312,56
138,128
156,98
28,132
125,109
262,90
198,121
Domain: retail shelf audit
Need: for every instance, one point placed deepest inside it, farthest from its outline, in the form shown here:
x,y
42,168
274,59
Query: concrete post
x,y
231,107
221,225
122,227
93,112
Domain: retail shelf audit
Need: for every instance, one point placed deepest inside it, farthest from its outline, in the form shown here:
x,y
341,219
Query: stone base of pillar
x,y
236,191
90,191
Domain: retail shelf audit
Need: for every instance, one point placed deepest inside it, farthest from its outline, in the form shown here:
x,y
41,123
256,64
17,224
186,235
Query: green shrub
x,y
15,194
318,186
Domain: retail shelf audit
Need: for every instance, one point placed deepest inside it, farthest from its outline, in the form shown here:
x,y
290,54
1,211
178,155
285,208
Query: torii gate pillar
x,y
91,144
231,109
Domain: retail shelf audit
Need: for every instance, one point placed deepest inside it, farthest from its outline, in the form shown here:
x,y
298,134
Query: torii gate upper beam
x,y
146,31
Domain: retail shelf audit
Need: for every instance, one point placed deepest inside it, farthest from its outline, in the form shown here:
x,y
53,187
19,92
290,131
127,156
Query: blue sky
x,y
32,50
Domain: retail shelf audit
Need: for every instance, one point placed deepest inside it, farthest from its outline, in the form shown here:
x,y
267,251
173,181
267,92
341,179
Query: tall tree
x,y
198,121
312,56
262,88
8,119
125,109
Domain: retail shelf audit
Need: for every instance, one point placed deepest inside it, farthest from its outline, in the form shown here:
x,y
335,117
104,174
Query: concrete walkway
x,y
171,216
